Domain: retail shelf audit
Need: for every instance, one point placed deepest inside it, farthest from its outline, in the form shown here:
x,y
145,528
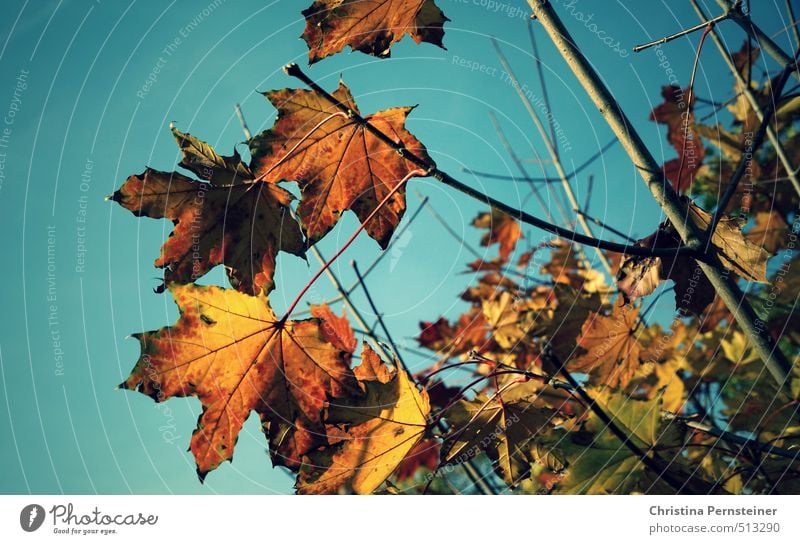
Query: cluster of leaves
x,y
530,318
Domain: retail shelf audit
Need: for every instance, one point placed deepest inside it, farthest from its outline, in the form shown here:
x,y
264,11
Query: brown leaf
x,y
424,454
242,226
505,427
370,27
608,348
375,433
216,218
229,350
335,329
737,253
338,163
682,134
503,230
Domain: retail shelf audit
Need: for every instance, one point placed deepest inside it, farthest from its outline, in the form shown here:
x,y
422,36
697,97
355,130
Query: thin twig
x,y
400,184
550,149
754,31
247,134
511,153
744,162
542,82
578,169
793,22
689,96
378,315
590,185
605,226
695,28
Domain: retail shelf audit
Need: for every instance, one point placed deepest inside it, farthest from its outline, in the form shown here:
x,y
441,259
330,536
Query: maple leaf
x,y
229,350
338,163
512,319
608,349
227,220
335,329
682,134
503,230
369,26
424,454
504,426
573,308
769,231
370,436
639,276
602,464
566,267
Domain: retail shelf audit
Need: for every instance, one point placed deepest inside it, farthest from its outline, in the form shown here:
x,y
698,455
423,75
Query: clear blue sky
x,y
78,275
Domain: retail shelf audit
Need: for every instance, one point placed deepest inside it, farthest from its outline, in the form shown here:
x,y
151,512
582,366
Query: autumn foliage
x,y
553,348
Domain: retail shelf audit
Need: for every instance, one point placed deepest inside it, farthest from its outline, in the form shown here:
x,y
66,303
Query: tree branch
x,y
765,42
775,361
695,28
431,170
562,175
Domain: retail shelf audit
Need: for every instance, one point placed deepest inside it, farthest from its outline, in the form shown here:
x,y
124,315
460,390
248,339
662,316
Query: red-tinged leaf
x,y
682,134
370,26
335,329
608,348
229,350
228,220
338,163
503,230
424,454
468,332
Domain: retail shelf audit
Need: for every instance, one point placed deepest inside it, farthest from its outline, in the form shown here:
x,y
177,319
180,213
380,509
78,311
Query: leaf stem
x,y
343,248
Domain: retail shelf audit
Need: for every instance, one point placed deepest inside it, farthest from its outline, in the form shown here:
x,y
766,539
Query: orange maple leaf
x,y
608,347
370,26
338,163
229,350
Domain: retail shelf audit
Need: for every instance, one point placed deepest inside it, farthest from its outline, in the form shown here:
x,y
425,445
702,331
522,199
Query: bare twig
x,y
542,81
511,153
573,202
577,170
793,22
754,31
605,226
378,315
695,28
248,136
775,361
